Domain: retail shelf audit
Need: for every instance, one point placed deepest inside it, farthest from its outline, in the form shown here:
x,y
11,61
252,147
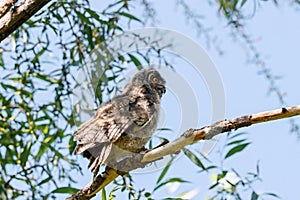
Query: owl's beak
x,y
161,89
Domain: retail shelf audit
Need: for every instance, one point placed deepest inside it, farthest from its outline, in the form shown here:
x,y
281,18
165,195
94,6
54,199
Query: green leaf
x,y
98,92
83,18
213,186
43,148
46,78
103,194
148,195
164,129
171,180
243,3
45,144
5,86
130,16
1,61
236,142
58,154
25,153
26,93
254,196
88,31
114,4
208,168
234,4
45,181
220,176
193,158
136,62
271,194
68,190
237,135
111,193
236,149
93,14
10,156
163,173
39,54
72,145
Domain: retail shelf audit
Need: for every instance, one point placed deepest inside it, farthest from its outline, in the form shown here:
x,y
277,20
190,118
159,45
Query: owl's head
x,y
155,80
150,77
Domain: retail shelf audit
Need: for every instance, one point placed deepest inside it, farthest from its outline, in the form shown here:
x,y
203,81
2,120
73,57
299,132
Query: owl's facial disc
x,y
157,82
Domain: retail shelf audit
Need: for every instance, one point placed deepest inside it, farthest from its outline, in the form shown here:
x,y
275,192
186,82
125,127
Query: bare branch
x,y
188,137
13,16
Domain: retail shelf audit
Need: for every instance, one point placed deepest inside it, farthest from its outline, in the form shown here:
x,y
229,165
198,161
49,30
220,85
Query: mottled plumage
x,y
123,125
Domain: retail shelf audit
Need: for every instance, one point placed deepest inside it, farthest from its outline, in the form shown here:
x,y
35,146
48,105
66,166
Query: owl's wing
x,y
95,137
110,121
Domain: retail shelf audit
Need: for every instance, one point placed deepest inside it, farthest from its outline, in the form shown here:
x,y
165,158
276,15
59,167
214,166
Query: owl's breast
x,y
135,137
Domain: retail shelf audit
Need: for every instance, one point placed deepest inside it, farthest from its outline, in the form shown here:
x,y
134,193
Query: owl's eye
x,y
155,80
152,78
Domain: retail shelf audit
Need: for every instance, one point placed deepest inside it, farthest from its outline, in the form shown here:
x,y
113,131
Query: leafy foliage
x,y
228,183
37,80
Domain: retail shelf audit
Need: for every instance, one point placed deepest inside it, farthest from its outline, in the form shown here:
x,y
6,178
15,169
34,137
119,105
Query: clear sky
x,y
276,31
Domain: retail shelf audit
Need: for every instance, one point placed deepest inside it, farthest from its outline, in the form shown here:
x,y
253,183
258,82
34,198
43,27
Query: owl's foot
x,y
127,164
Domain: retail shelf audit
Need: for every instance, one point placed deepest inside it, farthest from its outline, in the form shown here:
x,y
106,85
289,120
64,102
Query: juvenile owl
x,y
123,125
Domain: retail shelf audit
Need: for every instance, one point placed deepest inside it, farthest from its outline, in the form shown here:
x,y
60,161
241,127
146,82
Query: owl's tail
x,y
97,154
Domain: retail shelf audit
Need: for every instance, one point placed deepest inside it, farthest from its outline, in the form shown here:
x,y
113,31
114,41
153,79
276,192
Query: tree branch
x,y
13,16
5,6
188,137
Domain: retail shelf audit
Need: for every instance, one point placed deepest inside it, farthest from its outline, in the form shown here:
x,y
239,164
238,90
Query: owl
x,y
122,126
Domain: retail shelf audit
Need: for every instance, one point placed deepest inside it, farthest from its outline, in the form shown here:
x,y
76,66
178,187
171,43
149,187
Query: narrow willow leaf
x,y
163,173
39,54
171,180
236,149
271,194
237,135
136,62
236,142
213,186
103,194
130,16
45,181
243,3
83,18
68,190
193,158
25,154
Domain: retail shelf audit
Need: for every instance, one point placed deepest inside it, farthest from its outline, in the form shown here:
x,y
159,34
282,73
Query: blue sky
x,y
276,31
